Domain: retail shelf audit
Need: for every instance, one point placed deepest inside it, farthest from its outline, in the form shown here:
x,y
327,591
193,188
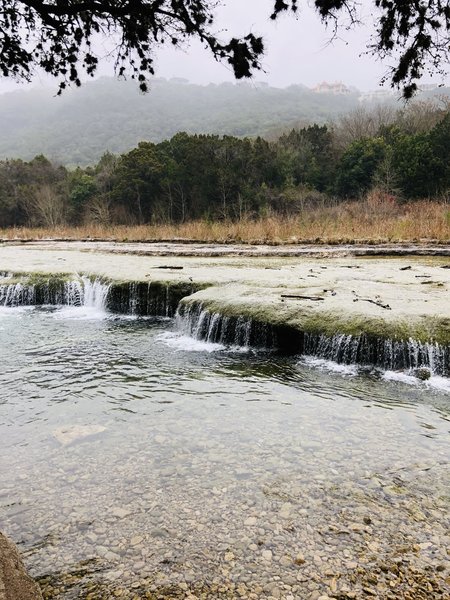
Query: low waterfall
x,y
196,321
54,291
17,294
154,298
385,353
131,298
95,293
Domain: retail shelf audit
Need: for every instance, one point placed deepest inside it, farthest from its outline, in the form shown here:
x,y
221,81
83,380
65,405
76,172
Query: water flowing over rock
x,y
196,321
154,298
387,354
131,298
34,291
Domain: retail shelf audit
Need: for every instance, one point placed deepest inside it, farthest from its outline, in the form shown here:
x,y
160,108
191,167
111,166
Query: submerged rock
x,y
422,373
75,433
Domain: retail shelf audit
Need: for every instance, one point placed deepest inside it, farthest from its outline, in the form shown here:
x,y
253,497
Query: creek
x,y
139,458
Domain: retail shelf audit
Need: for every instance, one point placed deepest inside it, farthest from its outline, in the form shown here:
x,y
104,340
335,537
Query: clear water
x,y
140,460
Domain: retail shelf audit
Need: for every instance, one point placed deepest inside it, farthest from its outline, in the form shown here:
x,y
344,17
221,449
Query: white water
x,y
339,352
186,343
329,365
200,330
73,295
85,300
241,332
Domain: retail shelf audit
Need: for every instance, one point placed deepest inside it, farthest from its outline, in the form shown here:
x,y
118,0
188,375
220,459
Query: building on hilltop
x,y
377,96
336,88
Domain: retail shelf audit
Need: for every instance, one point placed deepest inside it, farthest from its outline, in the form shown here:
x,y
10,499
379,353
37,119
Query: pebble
x,y
282,522
135,540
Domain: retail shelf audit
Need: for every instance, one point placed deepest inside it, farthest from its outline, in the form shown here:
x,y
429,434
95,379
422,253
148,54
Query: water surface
x,y
137,461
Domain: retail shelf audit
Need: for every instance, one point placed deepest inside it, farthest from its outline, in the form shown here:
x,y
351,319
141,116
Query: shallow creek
x,y
138,463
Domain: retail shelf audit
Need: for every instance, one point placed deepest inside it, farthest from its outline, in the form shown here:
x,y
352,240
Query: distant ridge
x,y
106,114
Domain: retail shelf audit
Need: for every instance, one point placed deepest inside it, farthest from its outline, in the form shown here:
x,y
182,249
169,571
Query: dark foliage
x,y
57,35
213,177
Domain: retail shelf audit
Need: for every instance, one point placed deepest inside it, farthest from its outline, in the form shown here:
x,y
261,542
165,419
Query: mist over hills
x,y
106,114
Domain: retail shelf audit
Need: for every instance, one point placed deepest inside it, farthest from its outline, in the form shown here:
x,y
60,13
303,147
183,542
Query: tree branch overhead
x,y
57,36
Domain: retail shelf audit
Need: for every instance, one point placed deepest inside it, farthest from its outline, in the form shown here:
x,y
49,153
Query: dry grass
x,y
376,219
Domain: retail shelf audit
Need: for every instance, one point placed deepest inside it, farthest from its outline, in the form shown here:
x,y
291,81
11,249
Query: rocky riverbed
x,y
136,469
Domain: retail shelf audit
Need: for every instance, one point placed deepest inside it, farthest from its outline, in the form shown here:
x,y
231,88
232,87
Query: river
x,y
140,463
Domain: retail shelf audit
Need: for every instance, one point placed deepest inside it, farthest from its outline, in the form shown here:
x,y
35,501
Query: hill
x,y
106,114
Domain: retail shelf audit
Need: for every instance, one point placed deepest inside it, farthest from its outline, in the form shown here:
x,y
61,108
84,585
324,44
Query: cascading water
x,y
131,298
153,298
195,320
77,292
95,293
390,355
201,324
17,294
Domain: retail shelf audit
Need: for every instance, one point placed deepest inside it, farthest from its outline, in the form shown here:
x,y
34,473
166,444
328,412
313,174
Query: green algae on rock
x,y
363,306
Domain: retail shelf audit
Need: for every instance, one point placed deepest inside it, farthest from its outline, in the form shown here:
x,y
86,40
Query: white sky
x,y
298,50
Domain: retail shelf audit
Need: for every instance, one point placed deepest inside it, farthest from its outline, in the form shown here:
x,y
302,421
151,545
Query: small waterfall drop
x,y
95,293
199,323
54,291
389,355
16,294
196,321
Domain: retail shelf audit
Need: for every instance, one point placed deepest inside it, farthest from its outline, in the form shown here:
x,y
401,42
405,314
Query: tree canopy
x,y
58,35
211,177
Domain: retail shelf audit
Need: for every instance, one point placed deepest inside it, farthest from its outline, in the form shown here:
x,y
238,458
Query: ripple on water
x,y
141,465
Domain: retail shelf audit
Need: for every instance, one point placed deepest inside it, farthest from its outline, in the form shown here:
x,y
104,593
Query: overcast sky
x,y
298,50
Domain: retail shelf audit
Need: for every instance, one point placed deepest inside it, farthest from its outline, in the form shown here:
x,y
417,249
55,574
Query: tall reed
x,y
376,219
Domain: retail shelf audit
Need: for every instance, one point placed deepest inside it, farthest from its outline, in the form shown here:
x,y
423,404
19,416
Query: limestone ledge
x,y
389,298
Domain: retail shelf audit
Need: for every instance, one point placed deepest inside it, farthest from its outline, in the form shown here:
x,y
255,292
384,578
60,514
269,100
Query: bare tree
x,y
45,206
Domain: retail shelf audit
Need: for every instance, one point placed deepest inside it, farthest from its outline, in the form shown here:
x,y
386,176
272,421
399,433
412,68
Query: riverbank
x,y
374,220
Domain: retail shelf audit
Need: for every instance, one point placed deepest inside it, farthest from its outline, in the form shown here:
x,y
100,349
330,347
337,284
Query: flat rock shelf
x,y
388,298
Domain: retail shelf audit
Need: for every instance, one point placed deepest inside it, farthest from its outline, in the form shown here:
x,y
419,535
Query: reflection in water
x,y
136,462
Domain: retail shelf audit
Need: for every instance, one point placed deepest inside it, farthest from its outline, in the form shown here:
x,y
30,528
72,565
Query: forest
x,y
76,128
403,153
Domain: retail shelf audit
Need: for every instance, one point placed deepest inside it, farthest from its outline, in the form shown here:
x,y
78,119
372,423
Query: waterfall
x,y
200,323
388,354
195,320
132,298
54,291
16,294
95,293
154,298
